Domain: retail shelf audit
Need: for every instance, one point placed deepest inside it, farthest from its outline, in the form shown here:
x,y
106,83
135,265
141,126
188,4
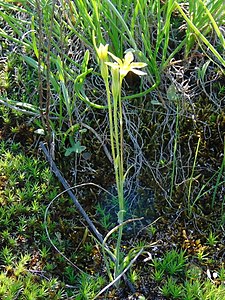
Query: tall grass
x,y
141,25
201,23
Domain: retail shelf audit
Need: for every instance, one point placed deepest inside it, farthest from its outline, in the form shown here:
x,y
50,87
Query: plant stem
x,y
190,206
116,137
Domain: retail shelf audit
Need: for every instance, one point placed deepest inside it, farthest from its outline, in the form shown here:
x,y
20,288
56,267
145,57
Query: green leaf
x,y
120,215
172,93
33,37
84,65
202,71
76,148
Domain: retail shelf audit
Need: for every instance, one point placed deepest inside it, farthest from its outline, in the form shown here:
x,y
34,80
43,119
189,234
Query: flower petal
x,y
128,58
117,59
138,72
124,70
113,65
138,65
102,51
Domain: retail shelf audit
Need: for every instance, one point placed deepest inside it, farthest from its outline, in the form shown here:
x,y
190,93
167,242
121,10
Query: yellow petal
x,y
102,51
128,58
117,59
138,72
114,65
138,65
124,71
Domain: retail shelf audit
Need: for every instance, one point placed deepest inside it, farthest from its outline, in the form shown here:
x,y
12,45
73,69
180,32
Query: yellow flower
x,y
102,52
127,65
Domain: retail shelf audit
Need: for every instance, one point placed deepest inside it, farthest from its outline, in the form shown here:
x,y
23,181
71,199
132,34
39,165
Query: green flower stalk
x,y
119,70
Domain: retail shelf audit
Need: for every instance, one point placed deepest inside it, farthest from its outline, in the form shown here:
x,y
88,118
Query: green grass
x,y
27,261
21,216
191,285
